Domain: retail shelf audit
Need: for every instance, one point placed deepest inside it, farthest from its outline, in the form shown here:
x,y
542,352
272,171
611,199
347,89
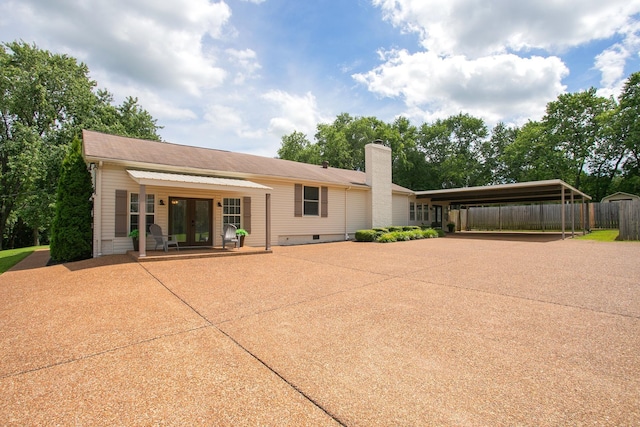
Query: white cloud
x,y
160,43
611,62
477,28
297,113
490,87
247,62
478,56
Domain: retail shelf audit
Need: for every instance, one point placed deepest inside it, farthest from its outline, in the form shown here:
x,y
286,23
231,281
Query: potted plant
x,y
451,227
135,234
241,233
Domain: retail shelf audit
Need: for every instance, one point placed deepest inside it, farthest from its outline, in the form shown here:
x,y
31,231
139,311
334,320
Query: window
x,y
412,211
231,211
311,201
418,212
134,211
425,213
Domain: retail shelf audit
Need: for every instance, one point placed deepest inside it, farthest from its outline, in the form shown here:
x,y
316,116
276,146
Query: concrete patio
x,y
432,332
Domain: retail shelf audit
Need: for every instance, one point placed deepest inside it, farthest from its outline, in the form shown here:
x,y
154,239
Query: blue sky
x,y
239,74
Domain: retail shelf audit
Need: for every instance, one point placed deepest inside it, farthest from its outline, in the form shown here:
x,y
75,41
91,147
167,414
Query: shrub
x,y
388,237
401,236
440,232
71,228
396,234
366,235
429,233
415,234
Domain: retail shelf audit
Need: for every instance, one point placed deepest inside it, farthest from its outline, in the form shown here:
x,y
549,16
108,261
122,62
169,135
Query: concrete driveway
x,y
430,332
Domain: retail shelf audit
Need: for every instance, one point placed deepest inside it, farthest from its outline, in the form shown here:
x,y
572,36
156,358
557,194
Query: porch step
x,y
188,253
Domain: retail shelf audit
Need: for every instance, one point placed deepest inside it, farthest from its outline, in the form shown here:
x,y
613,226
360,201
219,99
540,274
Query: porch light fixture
x,y
219,204
161,202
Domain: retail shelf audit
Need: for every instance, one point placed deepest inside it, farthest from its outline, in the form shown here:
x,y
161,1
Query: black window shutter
x,y
121,214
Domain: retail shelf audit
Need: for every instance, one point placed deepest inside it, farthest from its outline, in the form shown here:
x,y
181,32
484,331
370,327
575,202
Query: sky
x,y
237,75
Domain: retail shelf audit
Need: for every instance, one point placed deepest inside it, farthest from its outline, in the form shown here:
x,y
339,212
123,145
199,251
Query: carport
x,y
554,190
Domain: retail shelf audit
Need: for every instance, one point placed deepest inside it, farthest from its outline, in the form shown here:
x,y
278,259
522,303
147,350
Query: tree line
x,y
46,100
588,141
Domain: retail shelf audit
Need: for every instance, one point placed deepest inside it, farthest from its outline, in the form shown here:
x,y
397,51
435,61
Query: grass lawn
x,y
10,257
601,236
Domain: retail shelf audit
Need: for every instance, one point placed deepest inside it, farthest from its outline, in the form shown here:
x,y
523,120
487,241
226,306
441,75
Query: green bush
x,y
366,235
429,233
388,237
440,232
396,234
71,228
415,234
401,236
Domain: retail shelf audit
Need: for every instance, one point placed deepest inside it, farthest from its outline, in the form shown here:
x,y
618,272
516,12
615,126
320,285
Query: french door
x,y
190,221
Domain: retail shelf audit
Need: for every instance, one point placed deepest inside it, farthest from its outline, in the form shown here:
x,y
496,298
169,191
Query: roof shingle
x,y
119,149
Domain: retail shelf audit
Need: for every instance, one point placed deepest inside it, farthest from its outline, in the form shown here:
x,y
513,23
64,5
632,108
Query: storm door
x,y
190,221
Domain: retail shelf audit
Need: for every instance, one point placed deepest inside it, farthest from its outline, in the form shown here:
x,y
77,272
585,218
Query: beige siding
x,y
288,229
285,228
400,209
358,217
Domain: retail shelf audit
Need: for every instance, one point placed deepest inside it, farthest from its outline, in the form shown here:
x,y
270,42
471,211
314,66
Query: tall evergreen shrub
x,y
71,229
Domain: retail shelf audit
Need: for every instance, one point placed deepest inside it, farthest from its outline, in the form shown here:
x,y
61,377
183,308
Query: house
x,y
191,192
619,197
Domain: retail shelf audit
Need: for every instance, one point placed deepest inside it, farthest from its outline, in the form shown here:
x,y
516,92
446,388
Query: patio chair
x,y
229,235
163,239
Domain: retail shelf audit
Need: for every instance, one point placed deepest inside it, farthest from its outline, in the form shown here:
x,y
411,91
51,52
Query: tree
x,y
531,156
39,93
495,169
297,147
45,101
452,147
628,125
572,123
71,231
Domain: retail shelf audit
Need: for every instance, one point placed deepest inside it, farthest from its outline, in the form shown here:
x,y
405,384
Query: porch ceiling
x,y
162,179
523,192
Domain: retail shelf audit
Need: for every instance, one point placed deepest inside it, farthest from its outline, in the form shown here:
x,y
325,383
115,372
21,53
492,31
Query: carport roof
x,y
522,192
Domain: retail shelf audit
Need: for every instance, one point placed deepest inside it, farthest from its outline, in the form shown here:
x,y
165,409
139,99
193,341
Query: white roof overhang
x,y
161,179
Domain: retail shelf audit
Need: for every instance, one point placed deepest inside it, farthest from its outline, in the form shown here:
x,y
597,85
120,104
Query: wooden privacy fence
x,y
629,213
623,215
604,215
527,217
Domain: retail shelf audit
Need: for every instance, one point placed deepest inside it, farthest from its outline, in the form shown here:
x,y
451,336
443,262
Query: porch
x,y
199,252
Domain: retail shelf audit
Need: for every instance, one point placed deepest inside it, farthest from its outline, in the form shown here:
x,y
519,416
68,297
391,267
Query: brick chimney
x,y
378,174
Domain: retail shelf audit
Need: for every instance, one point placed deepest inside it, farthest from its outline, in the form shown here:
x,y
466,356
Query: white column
x,y
562,211
573,217
142,220
267,231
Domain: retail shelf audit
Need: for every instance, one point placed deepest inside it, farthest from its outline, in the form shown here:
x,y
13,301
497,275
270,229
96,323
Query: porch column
x,y
142,220
562,210
573,217
267,231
